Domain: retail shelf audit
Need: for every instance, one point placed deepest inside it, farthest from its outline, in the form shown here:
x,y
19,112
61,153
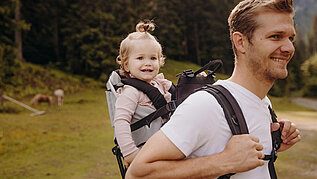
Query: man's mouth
x,y
279,60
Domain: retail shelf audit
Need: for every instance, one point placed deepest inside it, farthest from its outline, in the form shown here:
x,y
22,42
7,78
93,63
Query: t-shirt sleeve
x,y
193,122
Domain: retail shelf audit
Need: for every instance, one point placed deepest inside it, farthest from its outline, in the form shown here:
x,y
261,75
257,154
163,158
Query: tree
x,y
195,30
309,68
18,33
312,36
20,26
8,50
42,44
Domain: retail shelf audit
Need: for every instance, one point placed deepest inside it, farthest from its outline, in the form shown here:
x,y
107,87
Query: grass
x,y
75,140
301,160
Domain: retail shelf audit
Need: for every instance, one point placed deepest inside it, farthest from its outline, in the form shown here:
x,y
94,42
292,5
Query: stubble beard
x,y
268,75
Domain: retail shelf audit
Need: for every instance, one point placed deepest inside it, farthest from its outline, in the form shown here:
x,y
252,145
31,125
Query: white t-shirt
x,y
198,127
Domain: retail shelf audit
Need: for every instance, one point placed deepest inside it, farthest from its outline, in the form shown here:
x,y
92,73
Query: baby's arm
x,y
124,109
124,139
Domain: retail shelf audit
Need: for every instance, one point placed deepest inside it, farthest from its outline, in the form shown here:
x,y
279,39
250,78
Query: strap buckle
x,y
115,150
189,73
171,106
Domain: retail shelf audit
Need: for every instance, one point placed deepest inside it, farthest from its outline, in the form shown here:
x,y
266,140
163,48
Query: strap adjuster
x,y
272,157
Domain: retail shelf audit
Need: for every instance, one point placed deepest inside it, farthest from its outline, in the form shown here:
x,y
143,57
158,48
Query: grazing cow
x,y
59,97
39,98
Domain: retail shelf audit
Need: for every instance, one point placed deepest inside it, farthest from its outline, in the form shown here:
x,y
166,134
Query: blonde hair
x,y
243,17
142,33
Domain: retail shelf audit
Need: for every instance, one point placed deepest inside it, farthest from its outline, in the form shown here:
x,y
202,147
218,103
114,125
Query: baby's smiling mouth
x,y
146,70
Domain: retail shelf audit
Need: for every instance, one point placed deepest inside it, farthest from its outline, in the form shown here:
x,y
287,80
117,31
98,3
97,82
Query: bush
x,y
310,89
309,68
9,109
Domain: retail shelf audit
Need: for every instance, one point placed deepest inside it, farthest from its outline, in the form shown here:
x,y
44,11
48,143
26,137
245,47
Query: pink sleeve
x,y
124,137
124,109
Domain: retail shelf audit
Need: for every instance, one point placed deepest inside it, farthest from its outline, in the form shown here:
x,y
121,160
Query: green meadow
x,y
75,140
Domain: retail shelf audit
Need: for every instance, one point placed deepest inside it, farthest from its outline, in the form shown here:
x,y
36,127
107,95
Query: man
x,y
262,33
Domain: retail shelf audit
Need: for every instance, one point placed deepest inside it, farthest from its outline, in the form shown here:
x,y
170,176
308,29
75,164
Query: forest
x,y
82,37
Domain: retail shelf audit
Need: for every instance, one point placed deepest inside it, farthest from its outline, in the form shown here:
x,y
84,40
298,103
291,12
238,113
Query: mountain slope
x,y
305,10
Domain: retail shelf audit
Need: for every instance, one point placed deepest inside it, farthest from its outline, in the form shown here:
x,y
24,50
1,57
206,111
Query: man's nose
x,y
288,46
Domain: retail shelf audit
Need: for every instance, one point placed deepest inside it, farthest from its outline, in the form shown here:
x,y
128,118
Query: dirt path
x,y
303,120
306,120
309,103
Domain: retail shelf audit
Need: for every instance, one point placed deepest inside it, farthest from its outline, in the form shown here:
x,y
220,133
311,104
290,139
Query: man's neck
x,y
249,81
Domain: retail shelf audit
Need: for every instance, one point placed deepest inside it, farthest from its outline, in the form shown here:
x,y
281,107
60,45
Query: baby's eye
x,y
153,58
292,39
139,58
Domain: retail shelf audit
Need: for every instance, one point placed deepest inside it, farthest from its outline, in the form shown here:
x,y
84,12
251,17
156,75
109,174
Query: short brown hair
x,y
243,17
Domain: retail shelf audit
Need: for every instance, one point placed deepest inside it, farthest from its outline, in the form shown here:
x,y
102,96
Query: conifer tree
x,y
312,36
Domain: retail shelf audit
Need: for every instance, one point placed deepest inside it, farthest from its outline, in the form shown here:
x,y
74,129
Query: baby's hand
x,y
203,74
129,158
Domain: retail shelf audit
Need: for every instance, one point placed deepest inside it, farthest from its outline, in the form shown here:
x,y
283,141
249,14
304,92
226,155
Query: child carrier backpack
x,y
147,120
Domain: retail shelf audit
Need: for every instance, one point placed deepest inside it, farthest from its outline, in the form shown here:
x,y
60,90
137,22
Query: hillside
x,y
28,79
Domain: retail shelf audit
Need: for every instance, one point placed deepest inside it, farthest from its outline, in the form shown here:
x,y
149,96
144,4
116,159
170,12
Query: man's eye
x,y
275,36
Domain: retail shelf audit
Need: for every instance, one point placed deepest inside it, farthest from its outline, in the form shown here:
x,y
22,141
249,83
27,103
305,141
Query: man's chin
x,y
283,75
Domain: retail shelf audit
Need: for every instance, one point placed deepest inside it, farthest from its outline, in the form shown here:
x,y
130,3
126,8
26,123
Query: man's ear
x,y
239,41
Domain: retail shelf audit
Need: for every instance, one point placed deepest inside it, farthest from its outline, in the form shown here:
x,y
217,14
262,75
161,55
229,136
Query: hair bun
x,y
145,26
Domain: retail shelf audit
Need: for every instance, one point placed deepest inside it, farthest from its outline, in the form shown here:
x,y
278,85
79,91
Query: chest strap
x,y
152,92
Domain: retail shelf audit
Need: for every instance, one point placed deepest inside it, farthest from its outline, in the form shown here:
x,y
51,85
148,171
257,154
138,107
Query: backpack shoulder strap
x,y
152,92
276,142
232,111
231,108
276,135
238,124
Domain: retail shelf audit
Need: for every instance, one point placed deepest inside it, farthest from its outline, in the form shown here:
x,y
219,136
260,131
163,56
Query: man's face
x,y
271,46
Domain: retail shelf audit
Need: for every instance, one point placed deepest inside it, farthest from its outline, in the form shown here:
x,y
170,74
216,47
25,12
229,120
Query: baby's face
x,y
143,62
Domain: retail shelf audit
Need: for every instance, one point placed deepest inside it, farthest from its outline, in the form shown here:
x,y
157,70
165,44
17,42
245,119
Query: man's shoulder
x,y
201,99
